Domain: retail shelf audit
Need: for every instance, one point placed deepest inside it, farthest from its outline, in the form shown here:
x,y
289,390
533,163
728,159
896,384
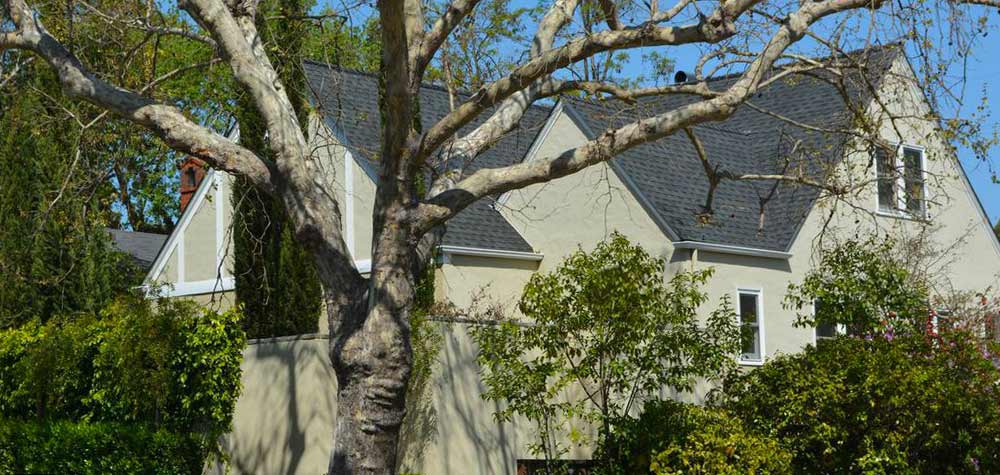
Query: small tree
x,y
860,284
603,332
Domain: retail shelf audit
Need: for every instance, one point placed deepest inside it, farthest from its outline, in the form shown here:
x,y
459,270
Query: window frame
x,y
900,193
758,293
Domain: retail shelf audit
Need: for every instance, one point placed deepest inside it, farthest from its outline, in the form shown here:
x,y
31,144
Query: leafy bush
x,y
166,365
909,405
864,286
674,438
94,448
606,331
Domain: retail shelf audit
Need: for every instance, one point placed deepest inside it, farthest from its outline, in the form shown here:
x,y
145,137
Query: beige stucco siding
x,y
284,418
283,422
200,251
459,279
200,261
580,210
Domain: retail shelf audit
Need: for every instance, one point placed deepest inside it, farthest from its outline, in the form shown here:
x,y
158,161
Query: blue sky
x,y
984,74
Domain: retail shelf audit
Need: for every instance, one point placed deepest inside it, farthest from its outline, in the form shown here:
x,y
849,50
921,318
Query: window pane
x,y
885,165
751,343
750,326
748,309
913,177
826,330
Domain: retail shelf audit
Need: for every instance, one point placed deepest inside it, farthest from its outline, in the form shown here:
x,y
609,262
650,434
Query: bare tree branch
x,y
457,11
711,29
612,142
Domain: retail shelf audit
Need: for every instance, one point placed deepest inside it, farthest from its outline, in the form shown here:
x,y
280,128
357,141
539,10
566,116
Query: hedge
x,y
164,365
94,448
910,405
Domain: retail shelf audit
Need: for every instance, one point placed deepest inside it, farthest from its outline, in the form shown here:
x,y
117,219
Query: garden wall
x,y
284,418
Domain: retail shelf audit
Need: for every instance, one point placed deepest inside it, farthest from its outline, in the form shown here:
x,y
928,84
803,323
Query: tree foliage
x,y
162,364
276,281
904,405
55,256
672,438
862,285
602,333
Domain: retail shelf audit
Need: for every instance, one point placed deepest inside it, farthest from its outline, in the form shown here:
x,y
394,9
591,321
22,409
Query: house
x,y
758,235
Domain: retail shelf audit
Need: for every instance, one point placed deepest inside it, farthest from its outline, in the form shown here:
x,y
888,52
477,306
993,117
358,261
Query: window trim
x,y
759,293
899,184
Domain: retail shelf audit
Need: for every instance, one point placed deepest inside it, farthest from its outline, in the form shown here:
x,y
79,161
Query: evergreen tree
x,y
55,256
276,280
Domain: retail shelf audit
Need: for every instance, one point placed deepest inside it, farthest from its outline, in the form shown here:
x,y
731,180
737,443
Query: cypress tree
x,y
276,279
55,256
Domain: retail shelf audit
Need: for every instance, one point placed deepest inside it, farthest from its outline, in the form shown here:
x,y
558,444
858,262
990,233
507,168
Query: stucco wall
x,y
580,210
284,418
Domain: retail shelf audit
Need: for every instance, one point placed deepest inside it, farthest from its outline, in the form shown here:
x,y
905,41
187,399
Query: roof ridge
x,y
110,229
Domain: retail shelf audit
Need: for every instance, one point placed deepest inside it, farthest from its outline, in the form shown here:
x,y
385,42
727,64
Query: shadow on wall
x,y
283,421
472,440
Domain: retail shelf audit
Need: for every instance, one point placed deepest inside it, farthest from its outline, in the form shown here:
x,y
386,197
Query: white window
x,y
901,186
751,317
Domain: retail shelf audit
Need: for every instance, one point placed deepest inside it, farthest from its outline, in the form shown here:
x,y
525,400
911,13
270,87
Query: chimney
x,y
192,172
680,77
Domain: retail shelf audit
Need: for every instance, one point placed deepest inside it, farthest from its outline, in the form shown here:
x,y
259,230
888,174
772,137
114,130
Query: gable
x,y
347,101
195,259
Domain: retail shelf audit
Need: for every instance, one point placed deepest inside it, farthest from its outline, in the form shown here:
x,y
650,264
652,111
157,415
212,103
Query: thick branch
x,y
611,14
710,29
607,145
432,41
168,122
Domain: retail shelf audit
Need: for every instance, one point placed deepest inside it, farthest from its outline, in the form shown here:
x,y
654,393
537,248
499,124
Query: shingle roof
x,y
667,174
143,247
348,101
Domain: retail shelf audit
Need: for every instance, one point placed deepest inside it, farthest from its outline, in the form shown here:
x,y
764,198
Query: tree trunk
x,y
372,357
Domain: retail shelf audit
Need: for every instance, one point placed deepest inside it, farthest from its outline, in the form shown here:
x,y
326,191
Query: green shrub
x,y
673,438
94,448
165,364
907,405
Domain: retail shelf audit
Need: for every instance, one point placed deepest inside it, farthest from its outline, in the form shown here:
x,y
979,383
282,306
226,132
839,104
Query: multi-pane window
x,y
913,180
824,331
885,163
901,192
750,323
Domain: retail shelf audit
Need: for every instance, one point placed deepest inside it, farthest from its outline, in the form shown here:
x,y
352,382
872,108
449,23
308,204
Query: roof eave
x,y
735,250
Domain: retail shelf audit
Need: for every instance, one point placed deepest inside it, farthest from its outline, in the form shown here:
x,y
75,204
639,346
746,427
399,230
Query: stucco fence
x,y
284,418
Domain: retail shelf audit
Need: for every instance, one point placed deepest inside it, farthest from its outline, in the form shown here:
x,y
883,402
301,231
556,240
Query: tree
x,y
861,285
276,282
368,316
55,255
604,322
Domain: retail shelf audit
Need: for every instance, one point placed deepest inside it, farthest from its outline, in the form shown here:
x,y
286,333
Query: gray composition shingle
x,y
666,175
669,176
143,247
348,101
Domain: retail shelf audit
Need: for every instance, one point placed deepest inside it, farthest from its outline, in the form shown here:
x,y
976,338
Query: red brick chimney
x,y
192,172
